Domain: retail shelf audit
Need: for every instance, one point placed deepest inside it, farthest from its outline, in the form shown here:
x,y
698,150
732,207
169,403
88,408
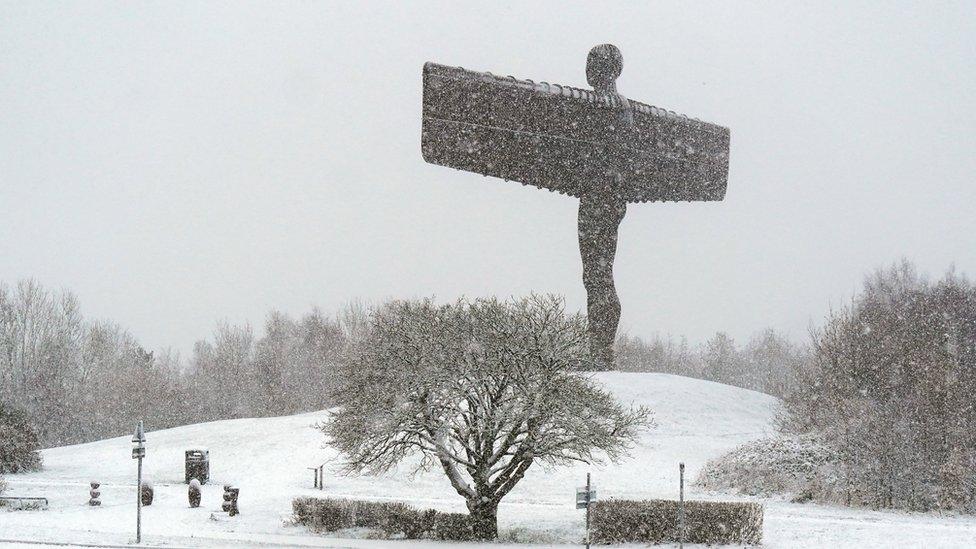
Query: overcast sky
x,y
177,164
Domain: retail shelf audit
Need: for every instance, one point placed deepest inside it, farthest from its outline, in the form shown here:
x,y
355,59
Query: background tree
x,y
274,352
890,386
41,335
771,364
721,360
481,389
312,375
222,374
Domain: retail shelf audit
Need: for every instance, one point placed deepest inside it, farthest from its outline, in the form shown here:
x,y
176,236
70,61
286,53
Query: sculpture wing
x,y
563,139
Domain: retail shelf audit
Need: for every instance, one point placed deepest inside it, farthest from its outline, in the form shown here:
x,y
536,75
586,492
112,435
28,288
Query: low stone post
x,y
230,500
146,493
193,492
94,494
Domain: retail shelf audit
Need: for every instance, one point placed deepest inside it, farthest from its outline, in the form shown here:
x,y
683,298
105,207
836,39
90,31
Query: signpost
x,y
681,505
597,146
584,496
139,452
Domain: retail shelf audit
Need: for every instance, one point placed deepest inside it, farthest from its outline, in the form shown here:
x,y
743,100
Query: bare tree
x,y
891,385
771,363
482,389
274,352
40,354
312,376
223,372
721,360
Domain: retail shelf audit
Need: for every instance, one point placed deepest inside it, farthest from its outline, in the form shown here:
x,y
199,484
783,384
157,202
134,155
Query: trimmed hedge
x,y
453,527
656,521
394,519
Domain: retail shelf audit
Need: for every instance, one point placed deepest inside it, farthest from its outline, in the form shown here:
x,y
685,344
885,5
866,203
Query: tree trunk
x,y
484,518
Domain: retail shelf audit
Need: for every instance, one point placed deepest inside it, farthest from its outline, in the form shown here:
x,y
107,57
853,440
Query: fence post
x,y
318,475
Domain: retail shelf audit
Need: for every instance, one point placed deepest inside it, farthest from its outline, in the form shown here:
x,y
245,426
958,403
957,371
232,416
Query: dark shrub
x,y
18,442
798,465
656,521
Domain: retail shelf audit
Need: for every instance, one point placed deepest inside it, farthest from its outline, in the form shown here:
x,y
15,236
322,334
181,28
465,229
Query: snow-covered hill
x,y
268,459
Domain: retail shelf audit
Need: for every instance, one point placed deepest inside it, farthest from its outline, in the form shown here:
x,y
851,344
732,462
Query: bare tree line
x,y
769,362
81,380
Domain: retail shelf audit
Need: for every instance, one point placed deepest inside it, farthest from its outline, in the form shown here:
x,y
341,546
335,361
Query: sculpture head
x,y
603,65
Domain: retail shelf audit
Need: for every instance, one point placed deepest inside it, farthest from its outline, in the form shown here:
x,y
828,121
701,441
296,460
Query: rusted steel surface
x,y
566,139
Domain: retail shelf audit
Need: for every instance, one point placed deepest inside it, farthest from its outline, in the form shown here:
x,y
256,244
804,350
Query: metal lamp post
x,y
139,452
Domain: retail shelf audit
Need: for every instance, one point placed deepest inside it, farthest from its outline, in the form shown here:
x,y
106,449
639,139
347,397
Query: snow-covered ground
x,y
268,459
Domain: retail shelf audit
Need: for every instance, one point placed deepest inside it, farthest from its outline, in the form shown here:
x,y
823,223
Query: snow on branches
x,y
482,389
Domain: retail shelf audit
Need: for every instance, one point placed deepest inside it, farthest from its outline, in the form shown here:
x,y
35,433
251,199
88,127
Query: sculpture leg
x,y
598,225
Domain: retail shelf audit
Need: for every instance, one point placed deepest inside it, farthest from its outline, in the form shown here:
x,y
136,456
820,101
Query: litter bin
x,y
198,465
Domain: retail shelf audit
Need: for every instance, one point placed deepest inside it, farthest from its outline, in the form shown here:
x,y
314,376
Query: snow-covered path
x,y
268,459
